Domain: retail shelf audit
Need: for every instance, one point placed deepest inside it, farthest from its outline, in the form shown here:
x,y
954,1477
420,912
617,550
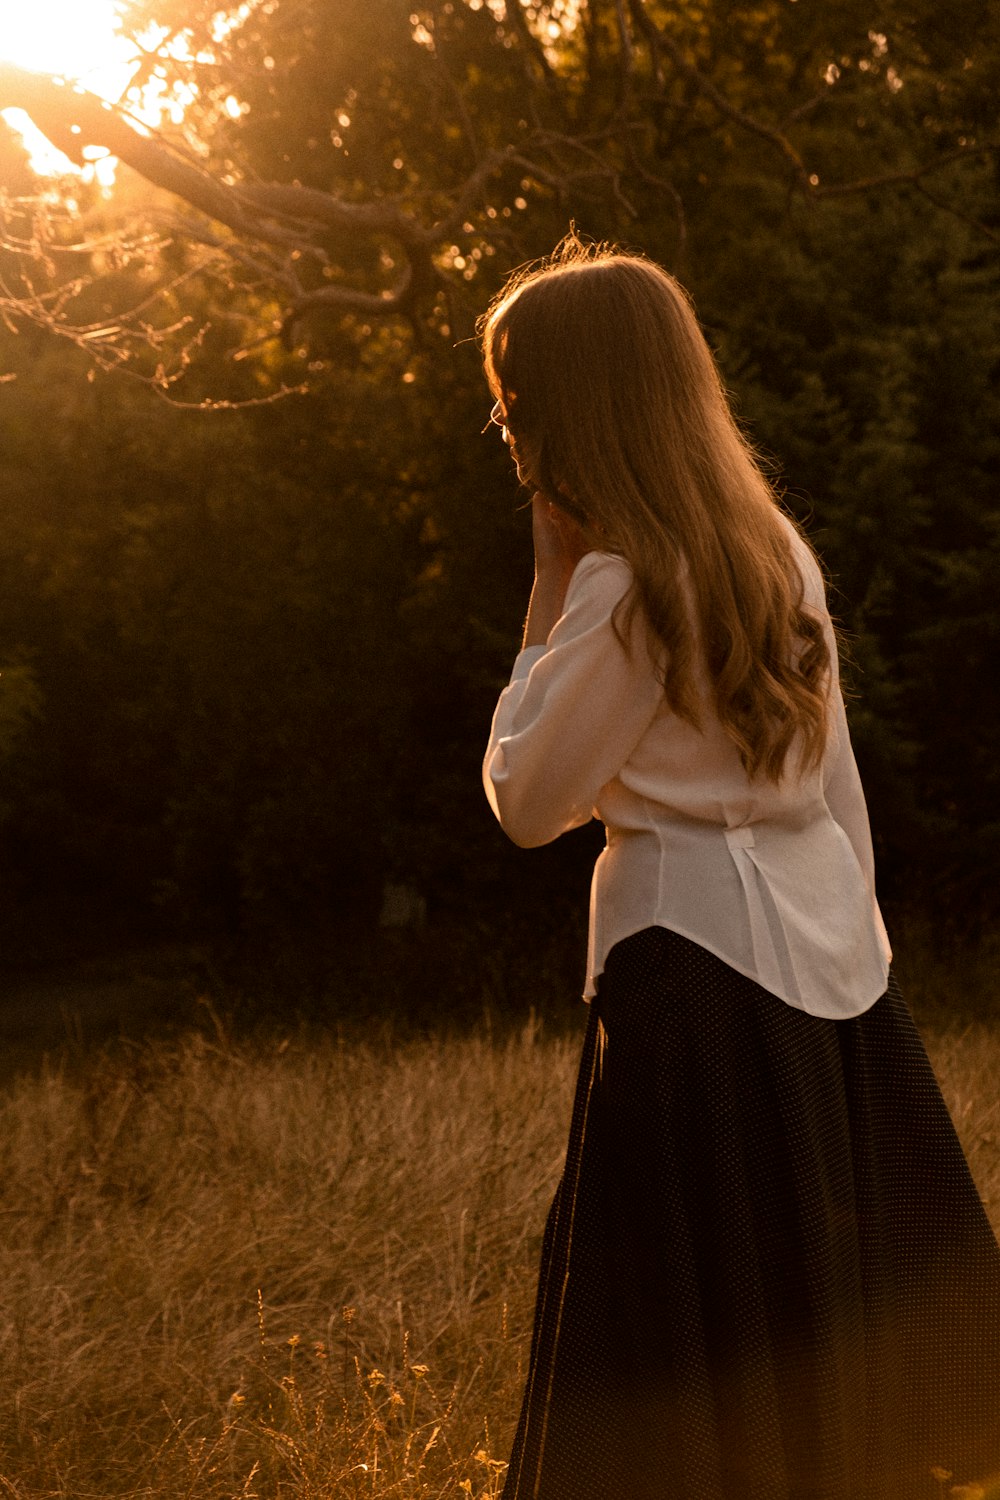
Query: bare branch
x,y
715,96
457,99
957,213
492,164
900,179
72,118
663,185
647,27
270,270
306,207
803,111
350,299
286,216
214,403
626,51
267,239
534,51
601,168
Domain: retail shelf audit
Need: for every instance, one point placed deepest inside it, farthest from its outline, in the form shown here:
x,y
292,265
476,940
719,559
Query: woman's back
x,y
774,877
766,1274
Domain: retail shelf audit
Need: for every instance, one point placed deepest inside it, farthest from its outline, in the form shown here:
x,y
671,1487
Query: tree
x,y
259,647
475,129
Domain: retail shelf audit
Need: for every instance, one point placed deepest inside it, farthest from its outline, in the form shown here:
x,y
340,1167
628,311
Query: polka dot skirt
x,y
766,1273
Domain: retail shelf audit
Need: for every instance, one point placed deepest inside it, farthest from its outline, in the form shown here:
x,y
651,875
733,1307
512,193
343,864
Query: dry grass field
x,y
301,1267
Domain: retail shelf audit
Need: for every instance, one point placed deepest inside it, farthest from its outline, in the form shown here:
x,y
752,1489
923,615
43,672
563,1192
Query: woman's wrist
x,y
559,545
548,596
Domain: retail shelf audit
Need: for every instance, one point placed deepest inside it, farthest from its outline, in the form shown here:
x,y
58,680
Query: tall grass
x,y
295,1267
230,1270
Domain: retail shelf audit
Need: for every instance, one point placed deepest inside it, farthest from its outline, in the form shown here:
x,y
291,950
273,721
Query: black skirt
x,y
766,1273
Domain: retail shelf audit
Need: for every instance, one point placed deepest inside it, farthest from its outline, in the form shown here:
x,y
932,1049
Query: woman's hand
x,y
560,542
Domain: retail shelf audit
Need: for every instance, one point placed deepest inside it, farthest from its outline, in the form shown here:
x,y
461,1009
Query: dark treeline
x,y
249,656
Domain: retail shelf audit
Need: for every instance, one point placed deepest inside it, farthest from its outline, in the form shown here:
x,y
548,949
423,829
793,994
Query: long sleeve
x,y
774,878
844,795
842,788
573,712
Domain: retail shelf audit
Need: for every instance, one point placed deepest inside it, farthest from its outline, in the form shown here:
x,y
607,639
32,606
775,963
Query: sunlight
x,y
82,40
75,39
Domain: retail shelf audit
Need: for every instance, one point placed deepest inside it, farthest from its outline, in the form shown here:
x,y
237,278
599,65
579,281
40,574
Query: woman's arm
x,y
559,545
843,790
577,705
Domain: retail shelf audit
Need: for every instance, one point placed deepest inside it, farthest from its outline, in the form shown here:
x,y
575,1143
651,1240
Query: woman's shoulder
x,y
608,576
603,571
807,562
599,583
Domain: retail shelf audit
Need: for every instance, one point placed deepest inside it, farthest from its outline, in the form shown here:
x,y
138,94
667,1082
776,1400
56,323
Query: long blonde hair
x,y
614,400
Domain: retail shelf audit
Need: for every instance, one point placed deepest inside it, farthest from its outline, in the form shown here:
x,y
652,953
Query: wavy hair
x,y
618,413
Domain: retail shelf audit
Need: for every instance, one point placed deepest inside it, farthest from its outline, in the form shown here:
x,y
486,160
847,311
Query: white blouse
x,y
777,880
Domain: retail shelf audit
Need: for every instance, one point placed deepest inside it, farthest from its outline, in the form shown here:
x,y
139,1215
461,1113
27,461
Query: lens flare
x,y
75,39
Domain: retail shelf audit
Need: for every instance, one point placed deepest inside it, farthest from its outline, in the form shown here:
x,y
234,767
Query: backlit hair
x,y
617,410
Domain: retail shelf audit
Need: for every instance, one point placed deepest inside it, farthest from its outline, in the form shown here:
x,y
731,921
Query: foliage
x,y
251,653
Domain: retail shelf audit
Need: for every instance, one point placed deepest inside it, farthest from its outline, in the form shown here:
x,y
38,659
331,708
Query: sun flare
x,y
75,39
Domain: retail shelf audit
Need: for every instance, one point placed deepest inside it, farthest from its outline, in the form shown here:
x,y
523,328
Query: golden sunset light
x,y
499,812
76,39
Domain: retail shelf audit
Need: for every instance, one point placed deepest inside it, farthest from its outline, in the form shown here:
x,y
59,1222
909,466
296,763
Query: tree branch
x,y
648,28
71,118
350,299
715,96
901,179
534,50
957,213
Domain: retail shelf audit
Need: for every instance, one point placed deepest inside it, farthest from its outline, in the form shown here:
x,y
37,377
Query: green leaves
x,y
259,650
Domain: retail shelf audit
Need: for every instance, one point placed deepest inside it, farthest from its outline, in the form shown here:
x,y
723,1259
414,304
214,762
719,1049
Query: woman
x,y
766,1273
